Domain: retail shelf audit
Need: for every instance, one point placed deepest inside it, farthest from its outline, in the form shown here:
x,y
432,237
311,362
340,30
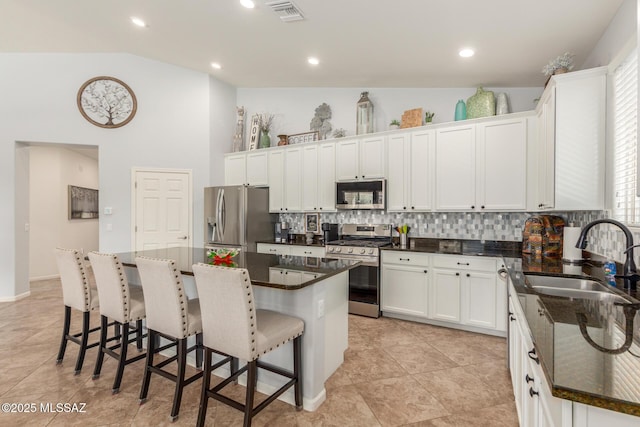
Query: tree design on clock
x,y
107,102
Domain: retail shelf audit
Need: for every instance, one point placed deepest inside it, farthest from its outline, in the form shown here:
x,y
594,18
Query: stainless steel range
x,y
362,242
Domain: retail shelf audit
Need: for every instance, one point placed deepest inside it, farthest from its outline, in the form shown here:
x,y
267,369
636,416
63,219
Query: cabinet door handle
x,y
511,318
528,379
404,207
462,263
457,274
532,393
532,356
468,275
404,259
482,207
425,271
473,207
356,176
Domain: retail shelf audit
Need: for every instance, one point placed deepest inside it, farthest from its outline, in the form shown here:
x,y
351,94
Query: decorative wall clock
x,y
107,102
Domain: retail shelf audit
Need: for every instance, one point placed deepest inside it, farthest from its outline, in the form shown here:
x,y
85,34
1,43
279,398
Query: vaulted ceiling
x,y
359,43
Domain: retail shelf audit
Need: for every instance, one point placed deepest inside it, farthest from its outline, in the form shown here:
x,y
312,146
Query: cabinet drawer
x,y
273,249
464,262
315,251
405,258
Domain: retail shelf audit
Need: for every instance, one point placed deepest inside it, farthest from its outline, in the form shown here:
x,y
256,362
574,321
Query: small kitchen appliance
x,y
362,242
281,232
329,232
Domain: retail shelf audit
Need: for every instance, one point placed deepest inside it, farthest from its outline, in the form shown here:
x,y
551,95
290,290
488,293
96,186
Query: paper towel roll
x,y
570,238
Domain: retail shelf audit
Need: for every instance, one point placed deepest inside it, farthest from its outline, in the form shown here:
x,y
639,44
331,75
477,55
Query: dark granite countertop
x,y
488,248
258,265
575,369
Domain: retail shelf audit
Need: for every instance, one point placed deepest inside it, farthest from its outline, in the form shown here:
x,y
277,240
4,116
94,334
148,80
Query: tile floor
x,y
395,373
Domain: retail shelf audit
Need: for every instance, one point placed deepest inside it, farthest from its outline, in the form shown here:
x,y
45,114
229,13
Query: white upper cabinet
x,y
360,159
293,180
456,168
276,181
318,178
482,166
246,169
501,160
410,171
573,111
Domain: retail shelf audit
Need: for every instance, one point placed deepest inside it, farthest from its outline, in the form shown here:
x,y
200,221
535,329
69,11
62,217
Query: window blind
x,y
625,91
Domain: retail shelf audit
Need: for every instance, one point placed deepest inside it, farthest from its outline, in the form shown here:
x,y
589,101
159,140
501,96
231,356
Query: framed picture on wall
x,y
254,132
311,223
83,203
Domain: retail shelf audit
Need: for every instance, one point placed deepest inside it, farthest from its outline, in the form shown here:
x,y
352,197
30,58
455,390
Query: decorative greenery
x,y
428,116
394,122
564,61
266,120
339,133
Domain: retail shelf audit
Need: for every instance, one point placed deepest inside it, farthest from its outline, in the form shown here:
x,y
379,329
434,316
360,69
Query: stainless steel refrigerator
x,y
238,216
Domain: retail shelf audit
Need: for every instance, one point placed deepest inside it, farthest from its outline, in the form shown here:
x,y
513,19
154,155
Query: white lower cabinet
x,y
536,406
405,283
444,289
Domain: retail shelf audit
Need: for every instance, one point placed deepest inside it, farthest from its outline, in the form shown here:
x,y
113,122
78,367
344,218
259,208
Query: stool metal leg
x,y
65,333
206,382
251,379
151,343
182,364
103,344
139,334
297,369
123,358
83,342
199,349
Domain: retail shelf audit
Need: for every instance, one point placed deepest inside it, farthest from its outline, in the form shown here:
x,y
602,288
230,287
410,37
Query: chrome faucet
x,y
630,272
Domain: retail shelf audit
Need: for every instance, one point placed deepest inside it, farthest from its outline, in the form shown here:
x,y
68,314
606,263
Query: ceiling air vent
x,y
287,11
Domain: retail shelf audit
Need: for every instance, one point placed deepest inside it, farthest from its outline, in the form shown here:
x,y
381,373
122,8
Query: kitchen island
x,y
313,289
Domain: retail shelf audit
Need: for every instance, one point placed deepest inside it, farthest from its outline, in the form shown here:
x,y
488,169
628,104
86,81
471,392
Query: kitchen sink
x,y
565,283
573,287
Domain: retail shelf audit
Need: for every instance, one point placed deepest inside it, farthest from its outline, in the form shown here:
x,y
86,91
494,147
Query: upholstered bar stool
x,y
171,315
121,303
76,294
232,325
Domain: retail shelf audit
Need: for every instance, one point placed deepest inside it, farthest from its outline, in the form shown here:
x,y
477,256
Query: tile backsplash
x,y
604,240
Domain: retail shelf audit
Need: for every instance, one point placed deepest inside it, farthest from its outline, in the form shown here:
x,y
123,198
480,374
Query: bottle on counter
x,y
610,272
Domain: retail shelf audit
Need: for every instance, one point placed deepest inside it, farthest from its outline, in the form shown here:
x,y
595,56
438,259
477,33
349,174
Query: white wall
x,y
295,107
171,130
51,170
223,124
620,31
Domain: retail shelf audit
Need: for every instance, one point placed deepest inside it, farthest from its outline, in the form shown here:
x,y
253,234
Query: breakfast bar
x,y
313,289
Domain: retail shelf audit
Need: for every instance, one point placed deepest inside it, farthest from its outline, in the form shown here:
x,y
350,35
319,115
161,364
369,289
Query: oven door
x,y
364,290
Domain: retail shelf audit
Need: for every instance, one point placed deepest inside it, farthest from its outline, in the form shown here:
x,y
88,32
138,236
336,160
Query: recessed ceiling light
x,y
248,4
216,65
466,53
313,61
139,22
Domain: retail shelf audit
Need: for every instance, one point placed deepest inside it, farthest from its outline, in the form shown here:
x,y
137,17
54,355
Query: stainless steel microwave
x,y
360,194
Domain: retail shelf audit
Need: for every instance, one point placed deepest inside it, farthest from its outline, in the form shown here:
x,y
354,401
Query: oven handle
x,y
364,262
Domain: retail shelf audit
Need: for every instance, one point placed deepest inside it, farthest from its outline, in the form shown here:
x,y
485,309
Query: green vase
x,y
265,140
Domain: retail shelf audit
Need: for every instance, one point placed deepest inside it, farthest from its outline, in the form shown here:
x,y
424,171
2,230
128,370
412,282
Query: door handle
x,y
183,237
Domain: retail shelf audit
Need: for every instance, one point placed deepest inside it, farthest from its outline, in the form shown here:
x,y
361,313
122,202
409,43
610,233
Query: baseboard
x,y
41,278
15,298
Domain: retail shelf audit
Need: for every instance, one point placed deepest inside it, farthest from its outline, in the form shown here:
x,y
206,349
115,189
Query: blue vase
x,y
461,111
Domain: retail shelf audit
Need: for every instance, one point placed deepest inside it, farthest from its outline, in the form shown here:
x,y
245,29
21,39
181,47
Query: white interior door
x,y
162,209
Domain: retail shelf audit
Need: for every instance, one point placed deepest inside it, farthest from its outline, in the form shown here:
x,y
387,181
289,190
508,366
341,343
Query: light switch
x,y
108,210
